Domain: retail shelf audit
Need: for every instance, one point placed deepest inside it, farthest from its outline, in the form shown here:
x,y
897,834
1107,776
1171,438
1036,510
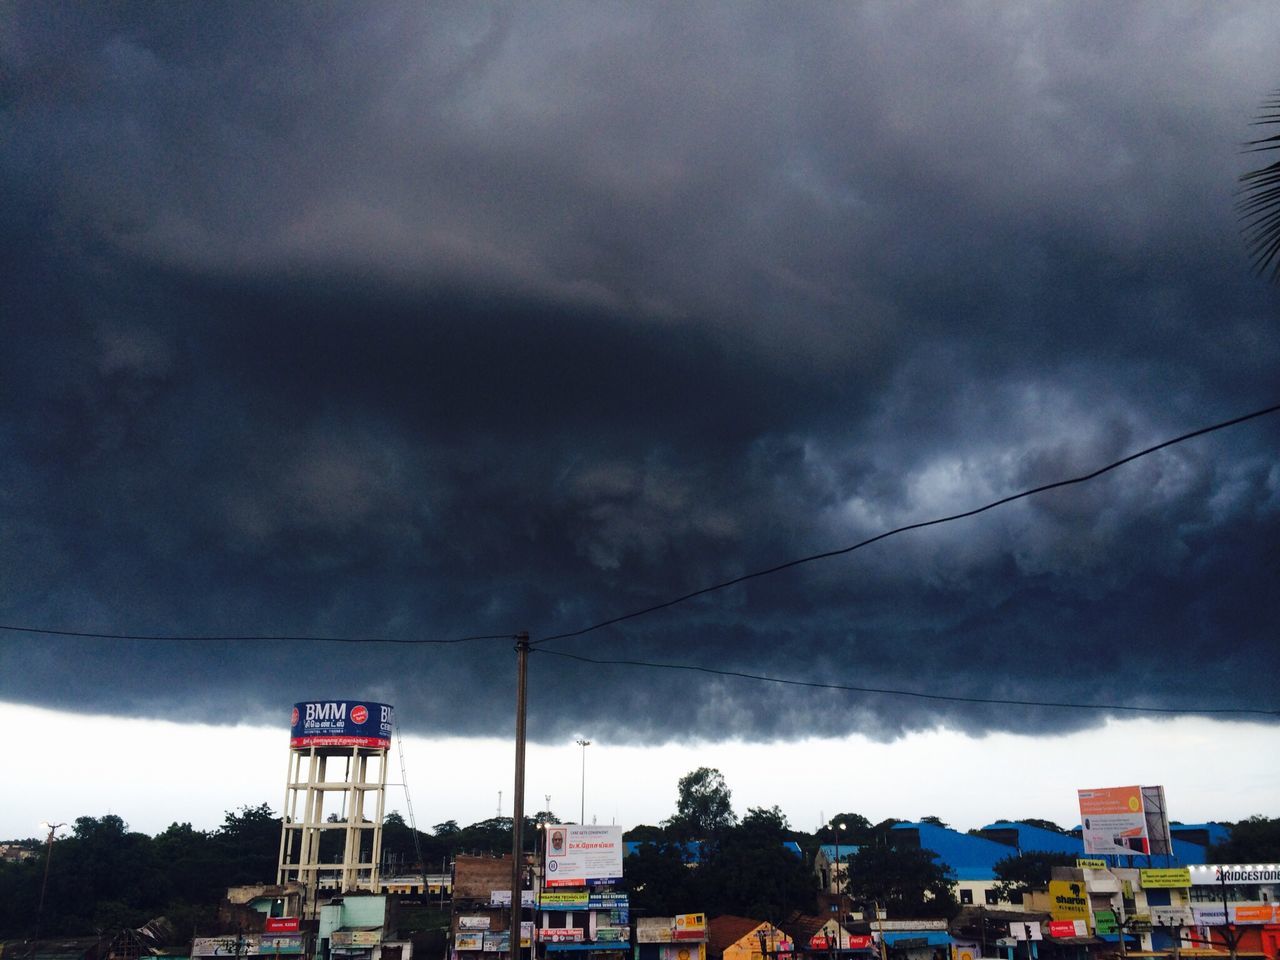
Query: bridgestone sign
x,y
1203,875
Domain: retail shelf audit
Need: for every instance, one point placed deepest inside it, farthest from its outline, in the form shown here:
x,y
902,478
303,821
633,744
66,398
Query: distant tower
x,y
334,798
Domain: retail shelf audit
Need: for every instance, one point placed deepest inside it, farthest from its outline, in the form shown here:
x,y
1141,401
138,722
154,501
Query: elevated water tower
x,y
332,834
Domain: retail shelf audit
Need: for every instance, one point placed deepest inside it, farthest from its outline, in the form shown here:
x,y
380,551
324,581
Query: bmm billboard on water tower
x,y
342,723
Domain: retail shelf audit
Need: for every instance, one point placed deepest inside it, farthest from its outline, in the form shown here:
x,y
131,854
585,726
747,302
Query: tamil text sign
x,y
1168,878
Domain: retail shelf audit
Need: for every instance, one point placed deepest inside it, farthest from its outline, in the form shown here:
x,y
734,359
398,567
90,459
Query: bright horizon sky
x,y
152,773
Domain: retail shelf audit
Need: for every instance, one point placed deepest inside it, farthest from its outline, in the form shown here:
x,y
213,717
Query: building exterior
x,y
742,938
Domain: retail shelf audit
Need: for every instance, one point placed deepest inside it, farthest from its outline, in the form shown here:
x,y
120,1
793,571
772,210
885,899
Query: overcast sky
x,y
422,322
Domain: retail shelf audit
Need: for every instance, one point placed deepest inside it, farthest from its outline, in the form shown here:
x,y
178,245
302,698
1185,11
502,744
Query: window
x,y
990,897
1015,897
966,896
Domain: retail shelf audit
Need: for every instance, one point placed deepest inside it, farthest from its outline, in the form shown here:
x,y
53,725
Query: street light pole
x,y
582,815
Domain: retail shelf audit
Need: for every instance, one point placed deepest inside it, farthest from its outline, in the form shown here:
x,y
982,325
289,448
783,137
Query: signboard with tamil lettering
x,y
1170,878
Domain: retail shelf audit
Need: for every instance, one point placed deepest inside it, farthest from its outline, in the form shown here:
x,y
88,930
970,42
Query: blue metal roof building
x,y
1025,838
970,858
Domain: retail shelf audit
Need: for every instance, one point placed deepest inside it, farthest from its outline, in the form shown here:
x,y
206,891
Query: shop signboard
x,y
1067,928
355,938
1166,879
473,923
1113,820
225,946
1068,900
281,944
561,935
282,925
1091,863
682,951
1253,913
1208,916
526,933
893,925
579,855
690,926
502,898
1104,921
1212,874
655,930
613,934
564,900
469,940
497,942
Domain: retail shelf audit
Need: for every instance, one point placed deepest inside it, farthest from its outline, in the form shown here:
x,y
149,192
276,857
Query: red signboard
x,y
282,925
1062,928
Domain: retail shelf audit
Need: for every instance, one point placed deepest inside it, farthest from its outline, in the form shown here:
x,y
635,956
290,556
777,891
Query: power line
x,y
888,691
911,526
301,638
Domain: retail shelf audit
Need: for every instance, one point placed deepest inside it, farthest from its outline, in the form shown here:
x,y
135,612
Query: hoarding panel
x,y
1171,878
578,855
1113,821
1068,900
342,723
468,940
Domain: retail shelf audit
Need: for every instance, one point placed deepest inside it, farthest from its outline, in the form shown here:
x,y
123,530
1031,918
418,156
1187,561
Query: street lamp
x,y
582,816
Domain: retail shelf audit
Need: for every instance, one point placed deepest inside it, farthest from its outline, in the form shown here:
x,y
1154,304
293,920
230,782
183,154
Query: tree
x,y
750,873
857,829
1260,206
1021,873
905,881
659,881
1255,840
703,804
936,821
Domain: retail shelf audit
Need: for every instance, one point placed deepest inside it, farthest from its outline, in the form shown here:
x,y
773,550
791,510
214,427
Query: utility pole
x,y
517,803
48,859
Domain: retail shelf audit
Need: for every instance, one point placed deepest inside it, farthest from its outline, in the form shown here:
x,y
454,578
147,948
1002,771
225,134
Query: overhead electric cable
x,y
891,692
246,637
826,555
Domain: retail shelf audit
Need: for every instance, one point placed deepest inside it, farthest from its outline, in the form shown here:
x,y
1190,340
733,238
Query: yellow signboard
x,y
1068,900
1169,878
1091,863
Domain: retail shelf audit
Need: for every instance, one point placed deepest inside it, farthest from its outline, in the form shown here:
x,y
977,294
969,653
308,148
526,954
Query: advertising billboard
x,y
1113,821
1168,878
468,940
275,944
1068,900
578,855
225,946
341,723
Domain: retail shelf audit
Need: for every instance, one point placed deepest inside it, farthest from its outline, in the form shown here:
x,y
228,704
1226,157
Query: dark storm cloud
x,y
421,322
